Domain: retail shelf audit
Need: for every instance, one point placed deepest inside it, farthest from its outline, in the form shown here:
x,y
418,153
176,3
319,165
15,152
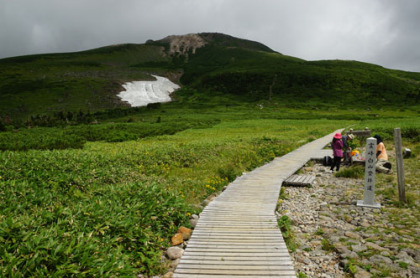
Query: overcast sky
x,y
383,32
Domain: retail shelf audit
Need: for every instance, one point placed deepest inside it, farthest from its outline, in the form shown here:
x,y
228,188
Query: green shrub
x,y
229,171
353,172
286,230
327,245
40,139
99,231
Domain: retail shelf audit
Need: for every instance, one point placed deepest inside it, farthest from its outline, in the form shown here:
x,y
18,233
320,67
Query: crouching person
x,y
382,164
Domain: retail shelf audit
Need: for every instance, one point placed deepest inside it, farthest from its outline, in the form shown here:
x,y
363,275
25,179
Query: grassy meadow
x,y
107,208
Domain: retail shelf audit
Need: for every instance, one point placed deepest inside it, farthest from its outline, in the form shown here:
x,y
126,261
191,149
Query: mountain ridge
x,y
240,69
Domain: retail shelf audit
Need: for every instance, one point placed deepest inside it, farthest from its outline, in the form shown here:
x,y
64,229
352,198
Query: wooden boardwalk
x,y
237,234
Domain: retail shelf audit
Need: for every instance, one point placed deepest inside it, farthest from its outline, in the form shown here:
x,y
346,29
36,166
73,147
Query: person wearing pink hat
x,y
337,146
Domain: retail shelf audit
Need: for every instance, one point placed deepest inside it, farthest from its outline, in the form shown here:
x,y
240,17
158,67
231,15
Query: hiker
x,y
382,164
346,147
337,146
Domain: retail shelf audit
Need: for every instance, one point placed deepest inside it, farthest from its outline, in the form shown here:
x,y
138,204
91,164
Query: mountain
x,y
208,63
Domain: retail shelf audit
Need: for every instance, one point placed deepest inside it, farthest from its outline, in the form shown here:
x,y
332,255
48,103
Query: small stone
x,y
359,248
375,246
304,260
404,257
380,260
365,223
342,249
174,252
168,275
193,222
385,253
177,239
361,273
352,235
353,255
186,233
174,263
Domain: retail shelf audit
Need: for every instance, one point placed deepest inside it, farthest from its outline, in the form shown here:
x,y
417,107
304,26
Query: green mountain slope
x,y
210,63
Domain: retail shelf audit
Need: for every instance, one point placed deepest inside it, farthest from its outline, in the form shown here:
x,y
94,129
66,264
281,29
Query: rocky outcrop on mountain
x,y
182,45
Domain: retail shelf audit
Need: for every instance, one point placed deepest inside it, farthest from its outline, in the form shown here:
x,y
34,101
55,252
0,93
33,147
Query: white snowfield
x,y
141,93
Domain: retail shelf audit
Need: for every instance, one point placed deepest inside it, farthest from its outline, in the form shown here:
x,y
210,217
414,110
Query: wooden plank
x,y
261,267
235,272
236,254
235,259
237,262
236,245
184,275
299,180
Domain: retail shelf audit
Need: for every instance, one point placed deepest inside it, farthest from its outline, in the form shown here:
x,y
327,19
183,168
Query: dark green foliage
x,y
287,232
354,172
42,139
75,136
409,133
91,230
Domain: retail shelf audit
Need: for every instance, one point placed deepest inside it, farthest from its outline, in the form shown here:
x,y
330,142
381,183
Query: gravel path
x,y
335,238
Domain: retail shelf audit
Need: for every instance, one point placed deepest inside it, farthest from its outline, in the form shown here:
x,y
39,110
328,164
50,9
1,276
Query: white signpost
x,y
370,161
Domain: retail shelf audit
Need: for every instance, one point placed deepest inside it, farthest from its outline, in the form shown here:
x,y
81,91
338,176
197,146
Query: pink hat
x,y
337,136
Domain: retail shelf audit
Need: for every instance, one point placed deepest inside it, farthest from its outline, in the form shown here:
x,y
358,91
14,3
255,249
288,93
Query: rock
x,y
415,270
359,248
415,253
342,249
380,260
364,223
185,232
348,218
352,235
374,246
404,257
385,253
205,202
211,197
361,273
304,260
168,275
174,263
193,222
174,252
353,255
177,239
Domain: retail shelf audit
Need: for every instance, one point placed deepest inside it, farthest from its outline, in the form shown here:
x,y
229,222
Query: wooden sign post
x,y
370,161
400,167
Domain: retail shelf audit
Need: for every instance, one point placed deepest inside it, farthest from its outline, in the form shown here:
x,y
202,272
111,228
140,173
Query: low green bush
x,y
353,172
102,231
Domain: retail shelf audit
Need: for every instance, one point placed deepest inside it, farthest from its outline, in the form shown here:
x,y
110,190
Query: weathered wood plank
x,y
235,259
261,267
299,180
237,245
235,272
184,275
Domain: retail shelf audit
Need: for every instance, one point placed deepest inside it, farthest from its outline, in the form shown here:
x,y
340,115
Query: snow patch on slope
x,y
141,93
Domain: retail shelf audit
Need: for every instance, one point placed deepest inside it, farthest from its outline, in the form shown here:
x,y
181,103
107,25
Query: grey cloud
x,y
377,31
